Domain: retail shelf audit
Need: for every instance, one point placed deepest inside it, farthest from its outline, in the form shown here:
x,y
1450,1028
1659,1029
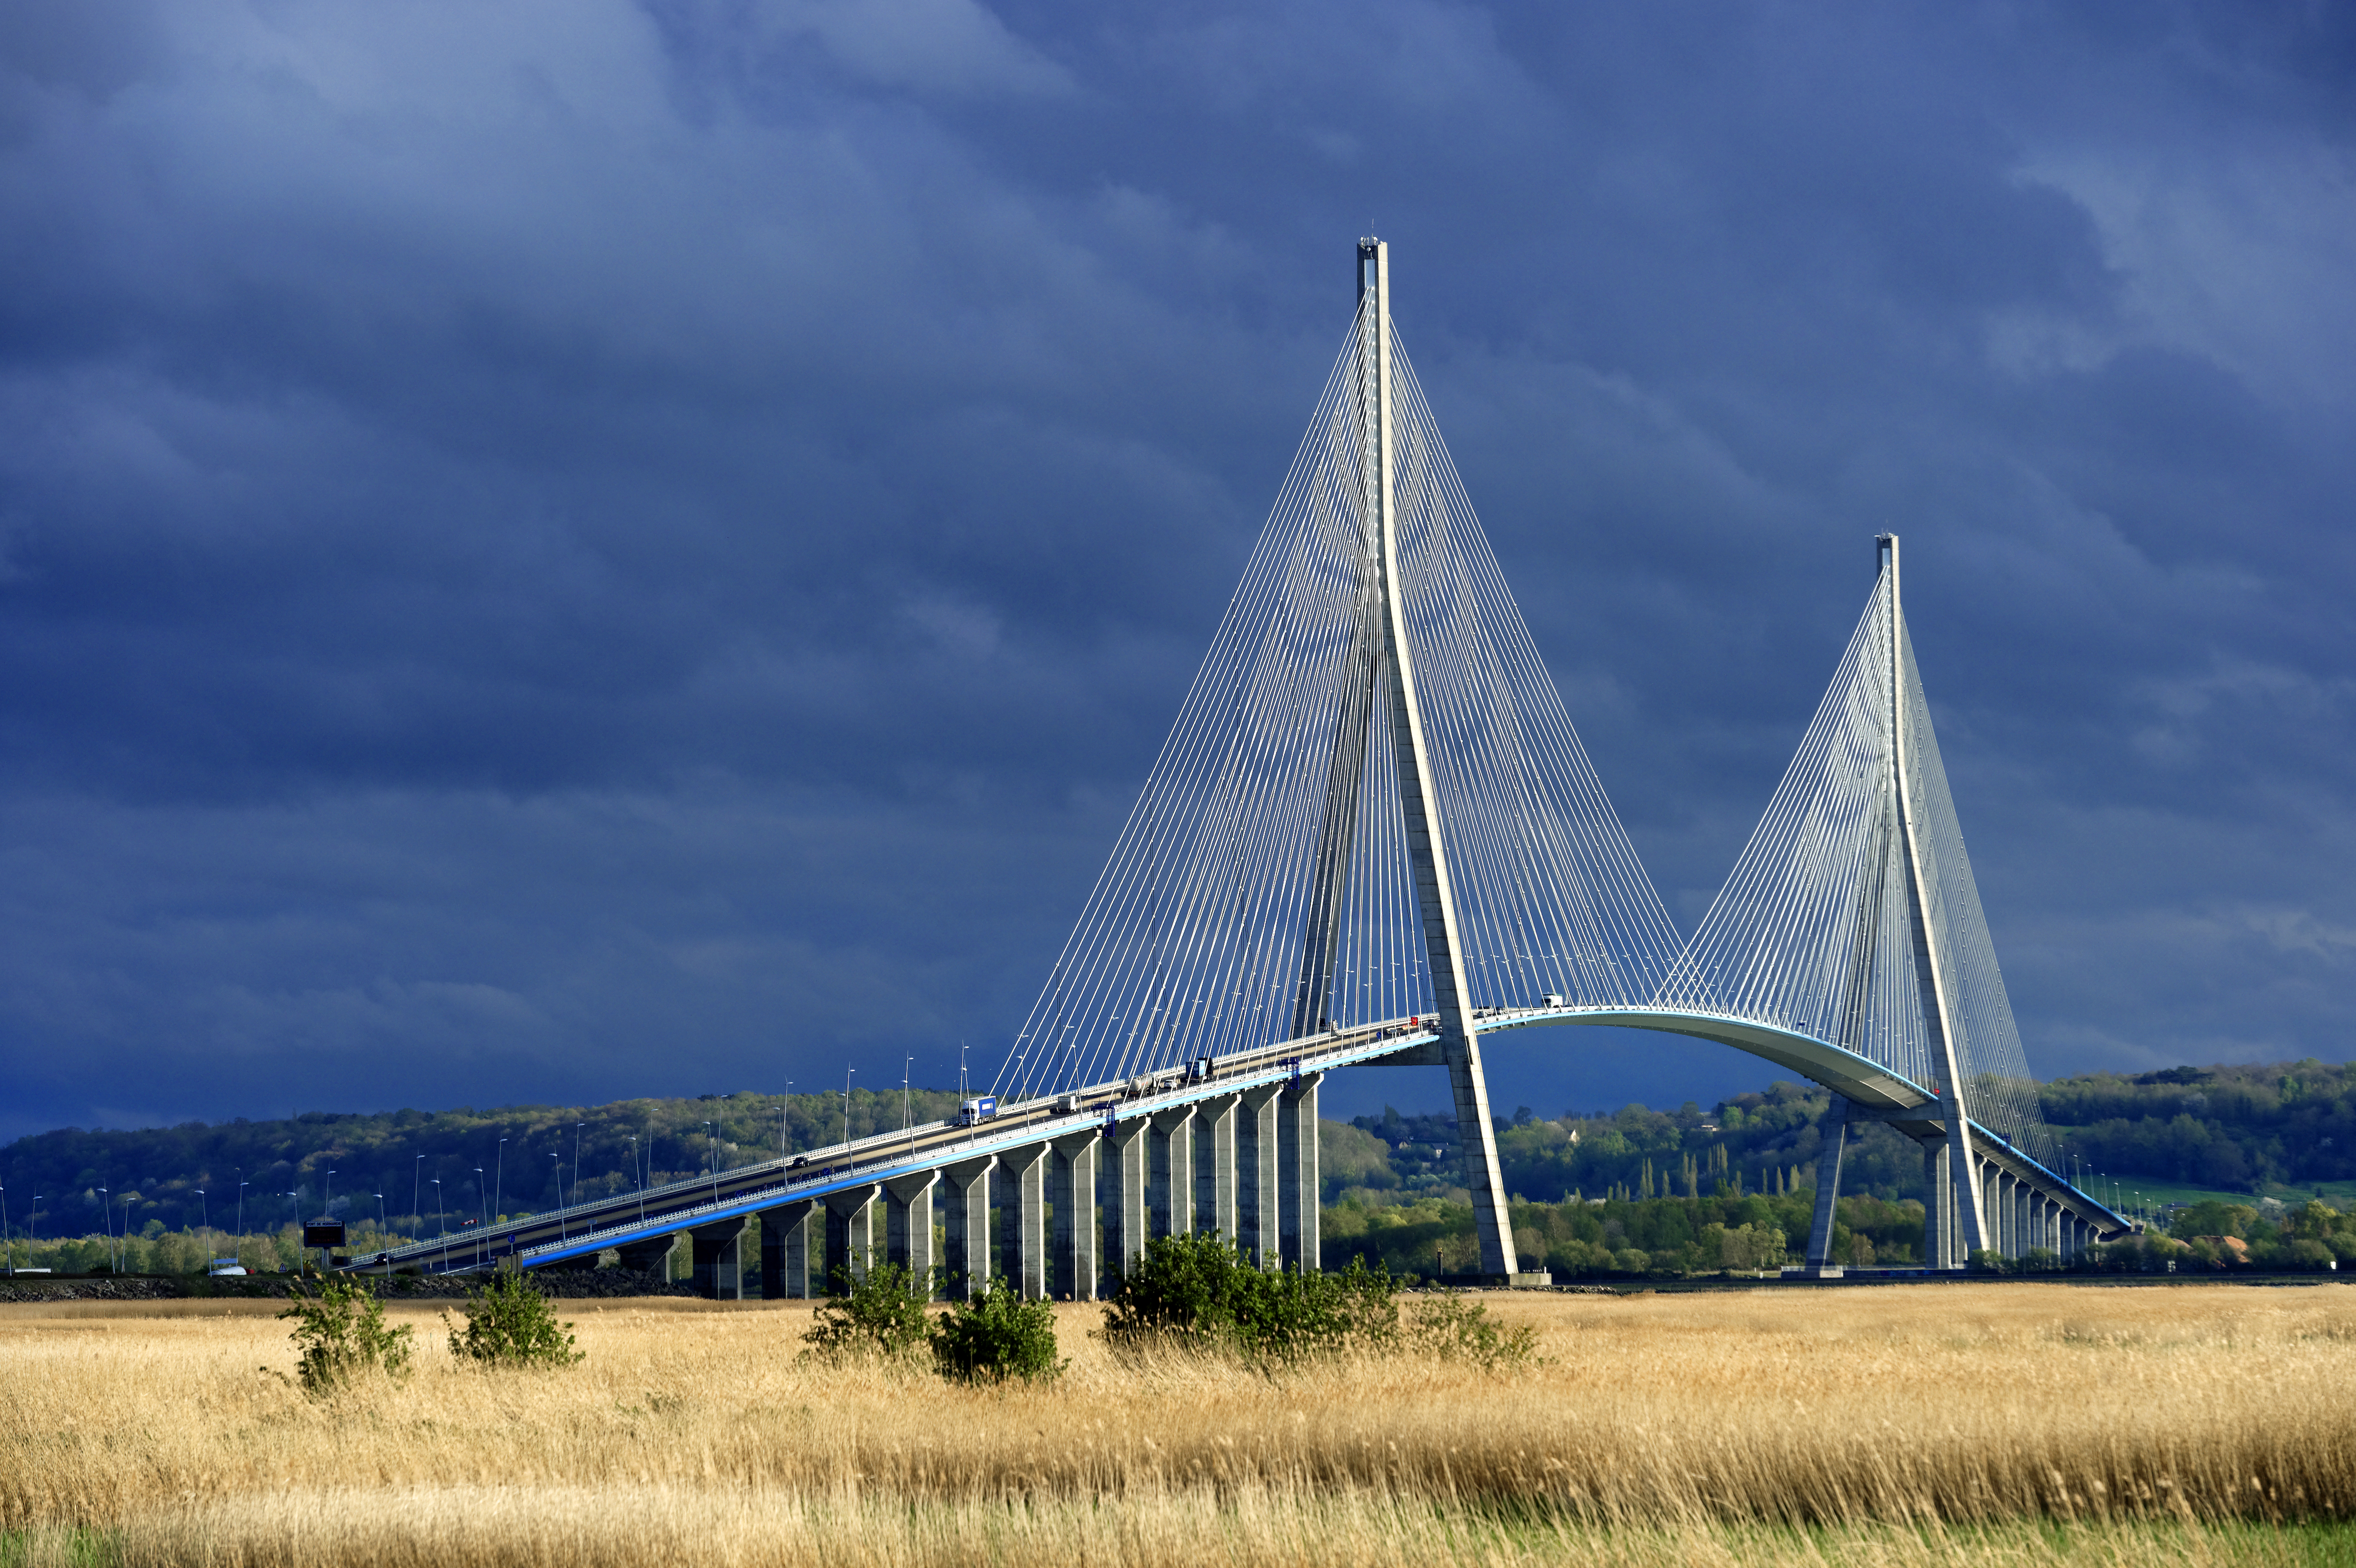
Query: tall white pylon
x,y
1931,965
1853,918
1460,1042
1372,807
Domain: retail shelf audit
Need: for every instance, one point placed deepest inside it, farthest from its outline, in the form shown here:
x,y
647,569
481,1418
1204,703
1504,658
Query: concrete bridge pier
x,y
1127,1151
965,1226
1939,1210
1170,1176
908,1226
1214,1175
786,1234
1259,1221
1299,1174
1021,1181
851,1246
652,1256
718,1250
1819,1263
1072,1192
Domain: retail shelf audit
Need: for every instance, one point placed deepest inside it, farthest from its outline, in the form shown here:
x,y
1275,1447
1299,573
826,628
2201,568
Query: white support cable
x,y
1191,942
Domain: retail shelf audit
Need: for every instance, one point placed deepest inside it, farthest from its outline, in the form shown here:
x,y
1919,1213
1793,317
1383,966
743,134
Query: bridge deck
x,y
584,1229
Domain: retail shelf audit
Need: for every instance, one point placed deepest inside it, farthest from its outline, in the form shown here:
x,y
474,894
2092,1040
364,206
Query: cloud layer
x,y
550,552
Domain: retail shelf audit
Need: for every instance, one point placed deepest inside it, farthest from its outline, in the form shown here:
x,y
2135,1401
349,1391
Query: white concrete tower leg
x,y
850,1248
908,1227
1258,1214
1072,1190
1128,1153
965,1227
1215,1190
653,1256
786,1250
720,1259
1169,1185
1820,1262
1021,1187
1938,1007
1985,1187
1297,1174
1419,801
1938,1234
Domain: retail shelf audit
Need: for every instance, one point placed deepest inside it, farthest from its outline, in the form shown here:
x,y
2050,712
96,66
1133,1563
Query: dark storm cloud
x,y
591,550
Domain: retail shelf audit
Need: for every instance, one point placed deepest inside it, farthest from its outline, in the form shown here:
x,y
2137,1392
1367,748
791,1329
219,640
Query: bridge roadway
x,y
1245,1129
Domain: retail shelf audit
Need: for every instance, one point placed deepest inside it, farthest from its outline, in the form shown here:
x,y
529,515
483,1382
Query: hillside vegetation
x,y
2257,1130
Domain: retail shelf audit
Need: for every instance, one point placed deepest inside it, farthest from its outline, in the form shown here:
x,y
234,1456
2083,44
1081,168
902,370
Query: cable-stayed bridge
x,y
1373,838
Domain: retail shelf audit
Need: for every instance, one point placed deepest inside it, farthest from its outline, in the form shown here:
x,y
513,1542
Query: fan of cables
x,y
1262,887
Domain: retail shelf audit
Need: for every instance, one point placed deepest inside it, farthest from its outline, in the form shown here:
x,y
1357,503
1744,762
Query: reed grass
x,y
1993,1423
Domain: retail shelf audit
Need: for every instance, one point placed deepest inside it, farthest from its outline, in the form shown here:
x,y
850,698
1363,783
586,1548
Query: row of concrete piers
x,y
2020,1215
1064,1218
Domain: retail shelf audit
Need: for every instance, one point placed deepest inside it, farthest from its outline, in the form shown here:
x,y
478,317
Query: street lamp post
x,y
499,1181
106,1218
205,1226
416,1170
637,1180
441,1224
576,1159
483,1224
556,1171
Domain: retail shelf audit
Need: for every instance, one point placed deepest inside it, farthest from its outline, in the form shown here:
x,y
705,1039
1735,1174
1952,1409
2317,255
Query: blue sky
x,y
555,552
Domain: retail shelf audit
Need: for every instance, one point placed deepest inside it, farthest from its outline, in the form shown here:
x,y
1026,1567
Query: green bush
x,y
1451,1329
340,1333
995,1337
880,1317
509,1324
1200,1288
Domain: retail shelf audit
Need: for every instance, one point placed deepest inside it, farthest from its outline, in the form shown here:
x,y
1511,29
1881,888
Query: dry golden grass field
x,y
1978,1424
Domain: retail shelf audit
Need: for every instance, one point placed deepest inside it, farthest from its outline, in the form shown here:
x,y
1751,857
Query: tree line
x,y
412,1173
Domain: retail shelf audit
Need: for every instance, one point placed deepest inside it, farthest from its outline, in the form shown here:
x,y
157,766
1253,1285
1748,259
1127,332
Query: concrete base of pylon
x,y
1822,1271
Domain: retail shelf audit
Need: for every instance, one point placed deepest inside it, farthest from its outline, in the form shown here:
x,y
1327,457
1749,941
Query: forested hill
x,y
2235,1128
402,1154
